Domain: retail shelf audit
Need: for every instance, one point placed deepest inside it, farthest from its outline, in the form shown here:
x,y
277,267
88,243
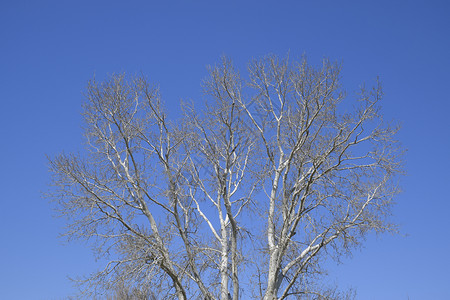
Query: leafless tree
x,y
245,198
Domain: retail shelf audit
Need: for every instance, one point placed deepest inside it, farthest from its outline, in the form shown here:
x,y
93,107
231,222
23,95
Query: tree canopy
x,y
245,196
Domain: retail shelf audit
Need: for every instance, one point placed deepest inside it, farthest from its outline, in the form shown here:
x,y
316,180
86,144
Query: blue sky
x,y
50,49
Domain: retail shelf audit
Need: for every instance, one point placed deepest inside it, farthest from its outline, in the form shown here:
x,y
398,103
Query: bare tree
x,y
246,198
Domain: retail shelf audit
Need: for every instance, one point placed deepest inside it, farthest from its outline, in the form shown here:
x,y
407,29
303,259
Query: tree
x,y
247,198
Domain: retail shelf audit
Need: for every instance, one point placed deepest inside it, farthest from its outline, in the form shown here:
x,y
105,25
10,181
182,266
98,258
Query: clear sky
x,y
48,51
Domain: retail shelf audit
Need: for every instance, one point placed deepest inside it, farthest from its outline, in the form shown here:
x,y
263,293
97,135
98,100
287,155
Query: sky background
x,y
50,49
